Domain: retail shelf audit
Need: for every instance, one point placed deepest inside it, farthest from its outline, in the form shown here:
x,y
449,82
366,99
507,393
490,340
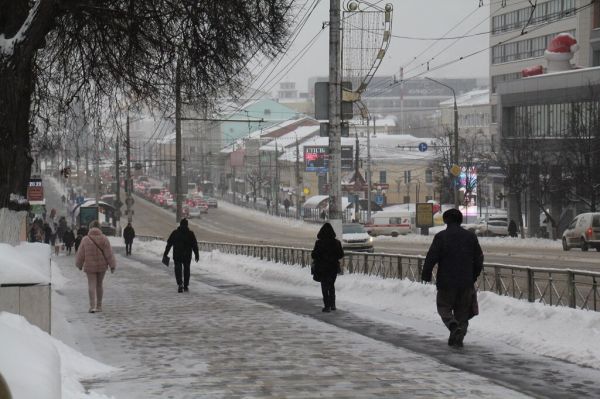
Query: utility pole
x,y
97,169
128,185
368,173
298,185
178,188
356,171
118,188
276,185
335,101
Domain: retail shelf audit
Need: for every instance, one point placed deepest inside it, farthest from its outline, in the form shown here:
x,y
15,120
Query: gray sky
x,y
414,18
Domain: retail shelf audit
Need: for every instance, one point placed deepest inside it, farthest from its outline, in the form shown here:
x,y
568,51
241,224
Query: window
x,y
382,176
428,176
546,12
406,176
523,49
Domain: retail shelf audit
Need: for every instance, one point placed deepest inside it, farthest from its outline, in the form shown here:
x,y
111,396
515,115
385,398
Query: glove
x,y
197,259
112,270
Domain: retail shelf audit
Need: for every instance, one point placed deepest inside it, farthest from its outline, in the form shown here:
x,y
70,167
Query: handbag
x,y
474,304
315,274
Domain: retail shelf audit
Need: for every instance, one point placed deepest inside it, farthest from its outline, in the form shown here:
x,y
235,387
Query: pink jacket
x,y
90,258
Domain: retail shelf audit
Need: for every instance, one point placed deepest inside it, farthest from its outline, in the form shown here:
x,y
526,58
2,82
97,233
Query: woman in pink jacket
x,y
94,257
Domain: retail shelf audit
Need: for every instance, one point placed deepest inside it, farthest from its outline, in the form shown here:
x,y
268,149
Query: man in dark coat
x,y
128,235
183,242
512,228
458,255
69,240
327,254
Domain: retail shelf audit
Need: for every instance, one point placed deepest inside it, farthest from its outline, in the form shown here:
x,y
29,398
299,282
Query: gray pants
x,y
95,289
454,306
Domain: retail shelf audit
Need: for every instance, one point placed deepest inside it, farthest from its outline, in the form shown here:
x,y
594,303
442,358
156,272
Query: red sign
x,y
35,191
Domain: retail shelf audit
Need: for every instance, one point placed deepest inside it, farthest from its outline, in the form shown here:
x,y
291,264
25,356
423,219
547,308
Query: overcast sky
x,y
413,18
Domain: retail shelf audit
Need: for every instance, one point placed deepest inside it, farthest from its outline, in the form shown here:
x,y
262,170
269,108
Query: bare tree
x,y
55,54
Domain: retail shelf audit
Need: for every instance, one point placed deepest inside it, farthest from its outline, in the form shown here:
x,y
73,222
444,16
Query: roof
x,y
469,99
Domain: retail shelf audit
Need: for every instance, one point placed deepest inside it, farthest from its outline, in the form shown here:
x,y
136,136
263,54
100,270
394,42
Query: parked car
x,y
390,223
355,238
583,232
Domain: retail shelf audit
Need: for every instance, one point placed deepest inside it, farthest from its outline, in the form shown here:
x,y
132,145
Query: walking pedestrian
x,y
183,242
128,235
512,228
459,260
268,205
95,257
286,205
69,240
326,255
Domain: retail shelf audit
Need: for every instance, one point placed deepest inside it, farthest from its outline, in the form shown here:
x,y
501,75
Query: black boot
x,y
180,289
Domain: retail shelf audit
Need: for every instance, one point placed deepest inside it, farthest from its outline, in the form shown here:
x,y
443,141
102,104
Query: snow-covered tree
x,y
56,55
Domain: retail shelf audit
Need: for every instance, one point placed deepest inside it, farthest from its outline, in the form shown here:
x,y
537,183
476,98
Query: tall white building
x,y
512,51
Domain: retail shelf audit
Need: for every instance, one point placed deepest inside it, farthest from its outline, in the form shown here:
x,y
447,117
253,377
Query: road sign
x,y
422,147
455,170
306,191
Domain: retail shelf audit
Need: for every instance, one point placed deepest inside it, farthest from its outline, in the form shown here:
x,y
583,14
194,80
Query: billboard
x,y
316,158
35,190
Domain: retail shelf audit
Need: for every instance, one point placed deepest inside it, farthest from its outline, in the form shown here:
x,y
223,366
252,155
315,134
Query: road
x,y
230,223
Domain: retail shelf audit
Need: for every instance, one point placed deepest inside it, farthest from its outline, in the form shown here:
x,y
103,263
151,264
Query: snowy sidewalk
x,y
214,343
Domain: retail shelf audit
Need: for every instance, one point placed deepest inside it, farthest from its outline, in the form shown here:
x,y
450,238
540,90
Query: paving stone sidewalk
x,y
212,343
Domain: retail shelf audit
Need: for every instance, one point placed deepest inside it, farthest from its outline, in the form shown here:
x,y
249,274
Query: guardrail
x,y
556,287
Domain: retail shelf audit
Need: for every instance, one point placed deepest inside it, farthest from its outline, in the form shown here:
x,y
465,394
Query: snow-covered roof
x,y
471,98
384,147
289,139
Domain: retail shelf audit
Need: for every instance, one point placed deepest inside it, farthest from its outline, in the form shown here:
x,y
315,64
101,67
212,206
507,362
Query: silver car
x,y
355,238
583,232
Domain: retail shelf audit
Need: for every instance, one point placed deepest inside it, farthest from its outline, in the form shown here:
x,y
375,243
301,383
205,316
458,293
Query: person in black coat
x,y
128,236
512,228
183,242
327,254
459,260
69,240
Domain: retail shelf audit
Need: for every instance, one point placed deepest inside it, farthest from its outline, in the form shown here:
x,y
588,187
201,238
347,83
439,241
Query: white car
x,y
355,238
583,232
195,212
494,226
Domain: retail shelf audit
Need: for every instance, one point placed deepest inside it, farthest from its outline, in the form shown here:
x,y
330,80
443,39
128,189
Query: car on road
x,y
212,202
583,232
494,226
194,212
355,238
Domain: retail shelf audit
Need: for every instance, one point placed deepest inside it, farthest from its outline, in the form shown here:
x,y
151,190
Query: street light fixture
x,y
456,153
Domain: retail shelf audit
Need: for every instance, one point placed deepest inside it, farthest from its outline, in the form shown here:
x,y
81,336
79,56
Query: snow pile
x,y
559,332
252,214
35,365
27,263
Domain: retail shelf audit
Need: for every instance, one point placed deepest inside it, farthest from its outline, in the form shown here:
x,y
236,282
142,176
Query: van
x,y
583,232
390,224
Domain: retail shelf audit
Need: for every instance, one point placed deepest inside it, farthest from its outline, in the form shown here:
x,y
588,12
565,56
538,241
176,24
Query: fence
x,y
556,287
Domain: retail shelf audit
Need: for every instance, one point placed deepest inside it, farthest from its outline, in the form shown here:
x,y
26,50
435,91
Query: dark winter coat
x,y
183,242
458,255
62,228
512,228
69,238
128,234
327,252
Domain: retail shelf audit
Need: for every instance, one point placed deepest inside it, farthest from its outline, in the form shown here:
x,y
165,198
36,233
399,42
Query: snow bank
x,y
36,365
27,263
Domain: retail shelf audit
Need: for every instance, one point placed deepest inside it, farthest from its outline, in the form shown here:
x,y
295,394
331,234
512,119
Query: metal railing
x,y
556,287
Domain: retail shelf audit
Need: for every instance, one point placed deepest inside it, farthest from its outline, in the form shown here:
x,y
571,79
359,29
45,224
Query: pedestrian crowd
x,y
455,252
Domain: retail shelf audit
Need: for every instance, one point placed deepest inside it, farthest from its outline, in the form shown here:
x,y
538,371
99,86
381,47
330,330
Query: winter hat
x,y
560,50
183,222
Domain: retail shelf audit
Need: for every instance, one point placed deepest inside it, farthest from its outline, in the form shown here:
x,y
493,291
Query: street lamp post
x,y
456,153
